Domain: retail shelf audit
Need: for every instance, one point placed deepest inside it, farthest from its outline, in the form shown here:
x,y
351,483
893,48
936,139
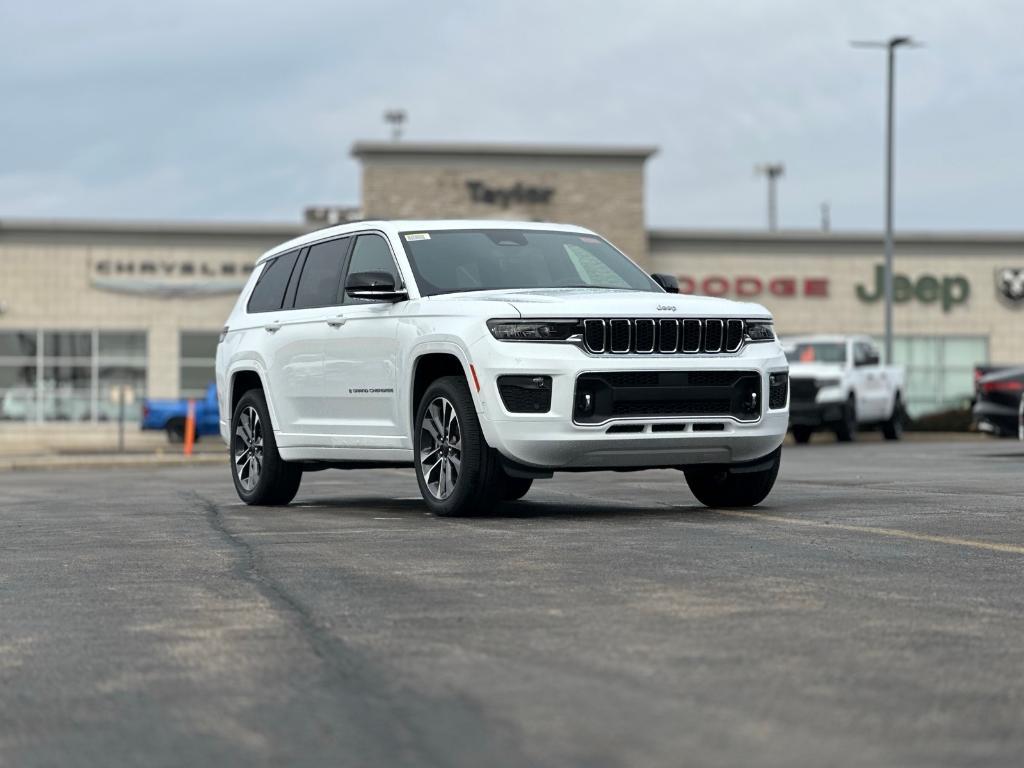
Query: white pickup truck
x,y
837,383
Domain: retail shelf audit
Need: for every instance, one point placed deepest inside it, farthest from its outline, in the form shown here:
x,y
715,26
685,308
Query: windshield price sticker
x,y
417,236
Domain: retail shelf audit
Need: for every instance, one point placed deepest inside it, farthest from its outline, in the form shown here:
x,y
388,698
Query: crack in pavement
x,y
396,725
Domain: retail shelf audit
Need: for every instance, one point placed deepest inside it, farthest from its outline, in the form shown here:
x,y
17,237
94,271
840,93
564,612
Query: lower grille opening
x,y
620,428
803,390
709,427
525,394
604,396
668,428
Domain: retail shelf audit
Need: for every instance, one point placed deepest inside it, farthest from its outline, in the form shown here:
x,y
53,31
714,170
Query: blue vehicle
x,y
169,415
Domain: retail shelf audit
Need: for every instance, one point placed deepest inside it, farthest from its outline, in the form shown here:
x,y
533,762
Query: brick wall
x,y
606,196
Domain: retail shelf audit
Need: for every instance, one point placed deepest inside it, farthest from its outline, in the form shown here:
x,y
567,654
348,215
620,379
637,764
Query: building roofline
x,y
575,151
152,227
849,237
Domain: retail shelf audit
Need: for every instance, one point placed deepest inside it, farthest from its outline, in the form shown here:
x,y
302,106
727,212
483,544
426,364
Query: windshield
x,y
452,261
816,352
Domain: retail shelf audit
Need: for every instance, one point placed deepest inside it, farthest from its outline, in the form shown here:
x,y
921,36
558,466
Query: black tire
x,y
892,428
474,478
846,430
253,446
722,487
175,431
802,434
515,488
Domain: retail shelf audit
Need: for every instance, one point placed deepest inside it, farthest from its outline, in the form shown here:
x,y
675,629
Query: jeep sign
x,y
950,290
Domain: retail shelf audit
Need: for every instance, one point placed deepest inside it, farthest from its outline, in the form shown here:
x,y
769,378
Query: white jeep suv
x,y
487,355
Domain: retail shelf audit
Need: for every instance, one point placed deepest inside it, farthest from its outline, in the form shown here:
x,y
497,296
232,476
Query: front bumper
x,y
553,441
803,414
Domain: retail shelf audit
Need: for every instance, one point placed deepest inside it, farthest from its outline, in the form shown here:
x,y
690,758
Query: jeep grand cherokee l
x,y
487,355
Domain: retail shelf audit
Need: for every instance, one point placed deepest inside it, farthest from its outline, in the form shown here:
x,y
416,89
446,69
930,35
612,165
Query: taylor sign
x,y
506,196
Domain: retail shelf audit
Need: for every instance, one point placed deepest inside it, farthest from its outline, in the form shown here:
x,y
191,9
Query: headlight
x,y
533,330
826,383
760,330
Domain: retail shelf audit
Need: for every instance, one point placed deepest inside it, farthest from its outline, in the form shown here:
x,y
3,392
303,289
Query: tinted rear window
x,y
268,294
320,283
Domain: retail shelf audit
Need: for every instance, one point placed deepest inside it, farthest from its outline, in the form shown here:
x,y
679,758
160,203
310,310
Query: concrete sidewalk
x,y
110,460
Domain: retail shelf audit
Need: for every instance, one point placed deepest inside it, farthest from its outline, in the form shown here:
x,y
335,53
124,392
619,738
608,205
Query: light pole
x,y
771,171
396,119
890,46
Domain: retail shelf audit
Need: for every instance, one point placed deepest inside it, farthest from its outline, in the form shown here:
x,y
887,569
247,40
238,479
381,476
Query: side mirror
x,y
668,282
377,286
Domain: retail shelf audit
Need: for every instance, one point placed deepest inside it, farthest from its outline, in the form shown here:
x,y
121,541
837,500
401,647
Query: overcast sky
x,y
198,109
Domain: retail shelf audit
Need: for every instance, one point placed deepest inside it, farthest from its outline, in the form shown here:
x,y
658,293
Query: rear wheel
x,y
733,487
261,476
846,430
458,473
892,427
515,488
802,434
175,431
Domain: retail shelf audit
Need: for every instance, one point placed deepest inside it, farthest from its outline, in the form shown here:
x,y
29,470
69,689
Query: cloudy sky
x,y
233,109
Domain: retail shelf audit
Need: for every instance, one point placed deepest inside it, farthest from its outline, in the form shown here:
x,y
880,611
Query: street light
x,y
396,119
771,171
890,46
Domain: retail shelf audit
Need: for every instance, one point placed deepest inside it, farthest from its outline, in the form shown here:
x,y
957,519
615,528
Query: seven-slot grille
x,y
662,335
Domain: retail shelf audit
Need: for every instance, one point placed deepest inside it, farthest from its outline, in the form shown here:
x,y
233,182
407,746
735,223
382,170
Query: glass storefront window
x,y
939,369
70,375
197,355
121,363
18,372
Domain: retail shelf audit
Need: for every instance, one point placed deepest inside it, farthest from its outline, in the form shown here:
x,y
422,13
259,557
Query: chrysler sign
x,y
169,277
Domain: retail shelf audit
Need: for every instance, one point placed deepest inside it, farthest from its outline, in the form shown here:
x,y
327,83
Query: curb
x,y
110,462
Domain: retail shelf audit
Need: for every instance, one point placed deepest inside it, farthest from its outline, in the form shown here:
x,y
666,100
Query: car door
x,y
870,386
361,357
312,306
290,369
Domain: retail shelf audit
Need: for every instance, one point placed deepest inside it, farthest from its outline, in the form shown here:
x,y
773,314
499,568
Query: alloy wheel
x,y
440,448
248,448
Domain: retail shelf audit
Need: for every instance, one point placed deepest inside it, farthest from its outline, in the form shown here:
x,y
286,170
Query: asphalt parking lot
x,y
871,613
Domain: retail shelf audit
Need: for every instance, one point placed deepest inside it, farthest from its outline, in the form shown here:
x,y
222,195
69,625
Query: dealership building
x,y
90,310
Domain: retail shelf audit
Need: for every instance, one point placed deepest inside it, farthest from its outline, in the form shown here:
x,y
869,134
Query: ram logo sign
x,y
1010,284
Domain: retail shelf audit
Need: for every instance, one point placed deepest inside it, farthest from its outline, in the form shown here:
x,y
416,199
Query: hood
x,y
597,302
815,370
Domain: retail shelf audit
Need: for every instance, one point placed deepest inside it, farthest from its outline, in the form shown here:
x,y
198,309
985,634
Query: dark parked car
x,y
998,400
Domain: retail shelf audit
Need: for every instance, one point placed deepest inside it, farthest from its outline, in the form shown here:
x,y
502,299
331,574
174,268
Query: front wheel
x,y
802,434
733,487
457,471
846,430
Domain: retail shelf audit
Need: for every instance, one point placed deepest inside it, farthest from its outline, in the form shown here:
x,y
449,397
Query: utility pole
x,y
826,216
396,119
890,47
771,171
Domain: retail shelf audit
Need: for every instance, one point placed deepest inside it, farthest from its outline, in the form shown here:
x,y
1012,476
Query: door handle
x,y
336,322
272,327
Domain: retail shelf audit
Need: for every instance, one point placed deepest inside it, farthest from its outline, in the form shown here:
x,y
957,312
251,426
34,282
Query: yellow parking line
x,y
1013,549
